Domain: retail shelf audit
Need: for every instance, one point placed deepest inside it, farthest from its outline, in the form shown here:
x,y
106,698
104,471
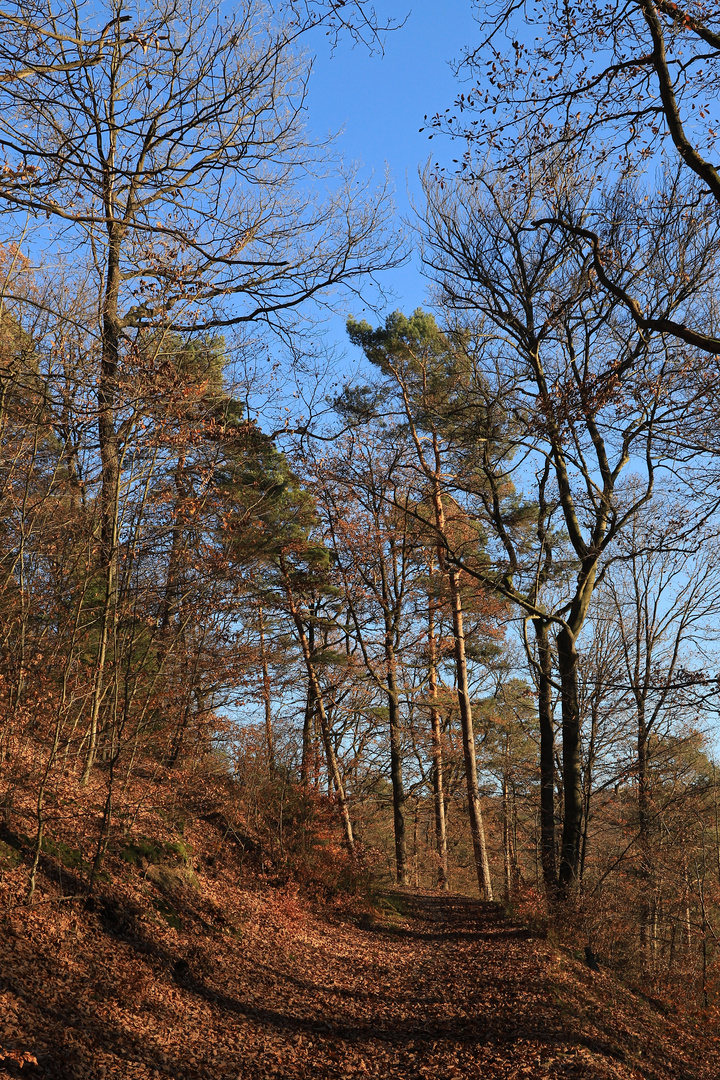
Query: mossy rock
x,y
170,879
72,858
181,850
144,850
392,905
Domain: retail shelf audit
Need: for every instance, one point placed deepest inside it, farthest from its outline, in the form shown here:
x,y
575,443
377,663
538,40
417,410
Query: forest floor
x,y
266,985
198,956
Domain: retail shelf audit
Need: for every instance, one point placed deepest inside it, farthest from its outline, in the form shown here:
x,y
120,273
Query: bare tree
x,y
585,392
165,150
662,595
365,500
624,87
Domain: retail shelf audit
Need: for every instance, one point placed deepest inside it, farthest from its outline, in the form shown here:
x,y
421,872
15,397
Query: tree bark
x,y
547,757
398,789
437,766
571,762
477,828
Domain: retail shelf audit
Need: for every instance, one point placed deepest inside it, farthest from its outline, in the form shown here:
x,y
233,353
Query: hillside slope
x,y
187,963
261,987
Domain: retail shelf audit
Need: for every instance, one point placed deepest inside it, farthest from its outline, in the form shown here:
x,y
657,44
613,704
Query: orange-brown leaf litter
x,y
210,972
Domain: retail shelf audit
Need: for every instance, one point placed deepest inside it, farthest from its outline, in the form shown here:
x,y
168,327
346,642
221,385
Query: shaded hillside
x,y
187,964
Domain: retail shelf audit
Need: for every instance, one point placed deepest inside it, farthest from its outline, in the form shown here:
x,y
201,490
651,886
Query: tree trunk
x,y
308,735
507,839
437,766
477,828
269,738
416,868
571,764
332,763
109,479
646,906
547,757
398,789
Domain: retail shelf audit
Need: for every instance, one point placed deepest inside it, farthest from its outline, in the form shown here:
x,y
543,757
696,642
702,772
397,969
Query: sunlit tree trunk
x,y
477,828
437,758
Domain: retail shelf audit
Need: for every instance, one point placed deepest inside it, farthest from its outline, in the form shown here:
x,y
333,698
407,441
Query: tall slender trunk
x,y
547,756
332,763
717,824
416,867
269,738
170,605
571,762
507,839
308,735
437,766
588,784
477,827
398,789
646,912
687,914
109,480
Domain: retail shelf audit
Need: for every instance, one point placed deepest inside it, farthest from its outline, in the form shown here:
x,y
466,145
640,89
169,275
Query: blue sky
x,y
378,103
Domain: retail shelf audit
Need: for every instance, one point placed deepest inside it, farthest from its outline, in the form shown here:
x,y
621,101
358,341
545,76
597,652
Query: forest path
x,y
439,986
449,988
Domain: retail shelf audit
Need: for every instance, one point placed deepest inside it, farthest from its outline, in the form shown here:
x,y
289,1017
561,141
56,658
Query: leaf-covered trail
x,y
445,989
454,990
